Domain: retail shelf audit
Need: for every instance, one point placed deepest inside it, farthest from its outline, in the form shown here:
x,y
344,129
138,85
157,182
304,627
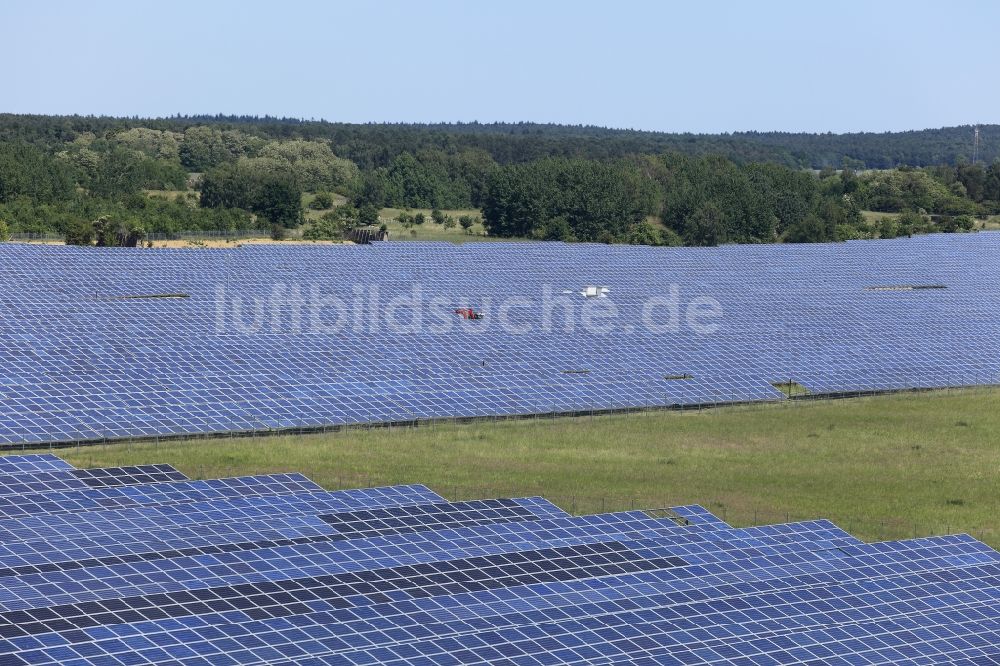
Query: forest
x,y
117,180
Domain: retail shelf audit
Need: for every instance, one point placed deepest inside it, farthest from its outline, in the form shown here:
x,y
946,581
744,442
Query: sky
x,y
694,66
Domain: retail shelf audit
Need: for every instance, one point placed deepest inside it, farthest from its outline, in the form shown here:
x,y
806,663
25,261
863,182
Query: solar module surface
x,y
400,576
287,337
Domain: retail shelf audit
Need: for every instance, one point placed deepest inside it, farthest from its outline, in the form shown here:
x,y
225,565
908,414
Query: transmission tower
x,y
975,145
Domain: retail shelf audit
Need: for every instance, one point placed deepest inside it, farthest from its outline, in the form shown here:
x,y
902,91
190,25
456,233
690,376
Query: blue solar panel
x,y
43,462
82,359
23,483
196,573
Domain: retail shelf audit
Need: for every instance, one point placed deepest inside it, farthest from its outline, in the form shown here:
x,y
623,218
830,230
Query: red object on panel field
x,y
468,313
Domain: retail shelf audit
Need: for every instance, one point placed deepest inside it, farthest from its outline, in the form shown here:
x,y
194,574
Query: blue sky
x,y
672,66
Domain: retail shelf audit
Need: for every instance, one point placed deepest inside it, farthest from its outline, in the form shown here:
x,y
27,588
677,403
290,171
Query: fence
x,y
238,234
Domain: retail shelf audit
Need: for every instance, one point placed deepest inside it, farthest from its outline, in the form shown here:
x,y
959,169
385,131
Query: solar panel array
x,y
274,570
100,343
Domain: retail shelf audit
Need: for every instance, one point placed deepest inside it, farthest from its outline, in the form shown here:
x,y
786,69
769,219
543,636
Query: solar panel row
x,y
26,482
272,337
286,573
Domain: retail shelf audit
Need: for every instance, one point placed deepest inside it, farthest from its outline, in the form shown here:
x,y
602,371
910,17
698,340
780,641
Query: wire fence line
x,y
204,234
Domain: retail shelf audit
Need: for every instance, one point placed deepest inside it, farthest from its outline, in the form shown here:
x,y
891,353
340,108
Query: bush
x,y
367,215
555,229
887,227
912,222
438,216
79,232
644,234
4,232
419,218
965,222
846,232
278,232
466,221
670,238
121,233
329,227
322,201
449,222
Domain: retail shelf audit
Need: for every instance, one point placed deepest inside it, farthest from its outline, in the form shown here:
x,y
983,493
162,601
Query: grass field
x,y
872,217
883,467
429,231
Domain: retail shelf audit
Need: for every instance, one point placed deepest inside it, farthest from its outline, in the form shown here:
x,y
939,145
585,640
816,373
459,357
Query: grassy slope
x,y
429,231
887,466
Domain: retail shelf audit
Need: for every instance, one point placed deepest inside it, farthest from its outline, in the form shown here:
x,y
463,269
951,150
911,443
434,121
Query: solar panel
x,y
56,501
42,462
76,479
82,361
197,573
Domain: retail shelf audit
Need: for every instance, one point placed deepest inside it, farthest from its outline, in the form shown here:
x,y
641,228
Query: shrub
x,y
329,227
367,215
438,216
79,232
449,222
117,233
4,232
644,234
887,228
467,221
321,201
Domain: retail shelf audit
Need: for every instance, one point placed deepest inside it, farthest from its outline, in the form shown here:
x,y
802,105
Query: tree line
x,y
374,145
169,175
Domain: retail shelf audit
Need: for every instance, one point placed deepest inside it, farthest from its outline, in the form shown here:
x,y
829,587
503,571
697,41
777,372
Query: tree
x,y
596,199
206,147
79,232
887,227
4,231
644,234
312,162
279,201
555,229
910,222
274,196
367,215
706,226
449,222
466,221
118,233
331,226
991,182
811,229
26,171
227,186
964,223
322,201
